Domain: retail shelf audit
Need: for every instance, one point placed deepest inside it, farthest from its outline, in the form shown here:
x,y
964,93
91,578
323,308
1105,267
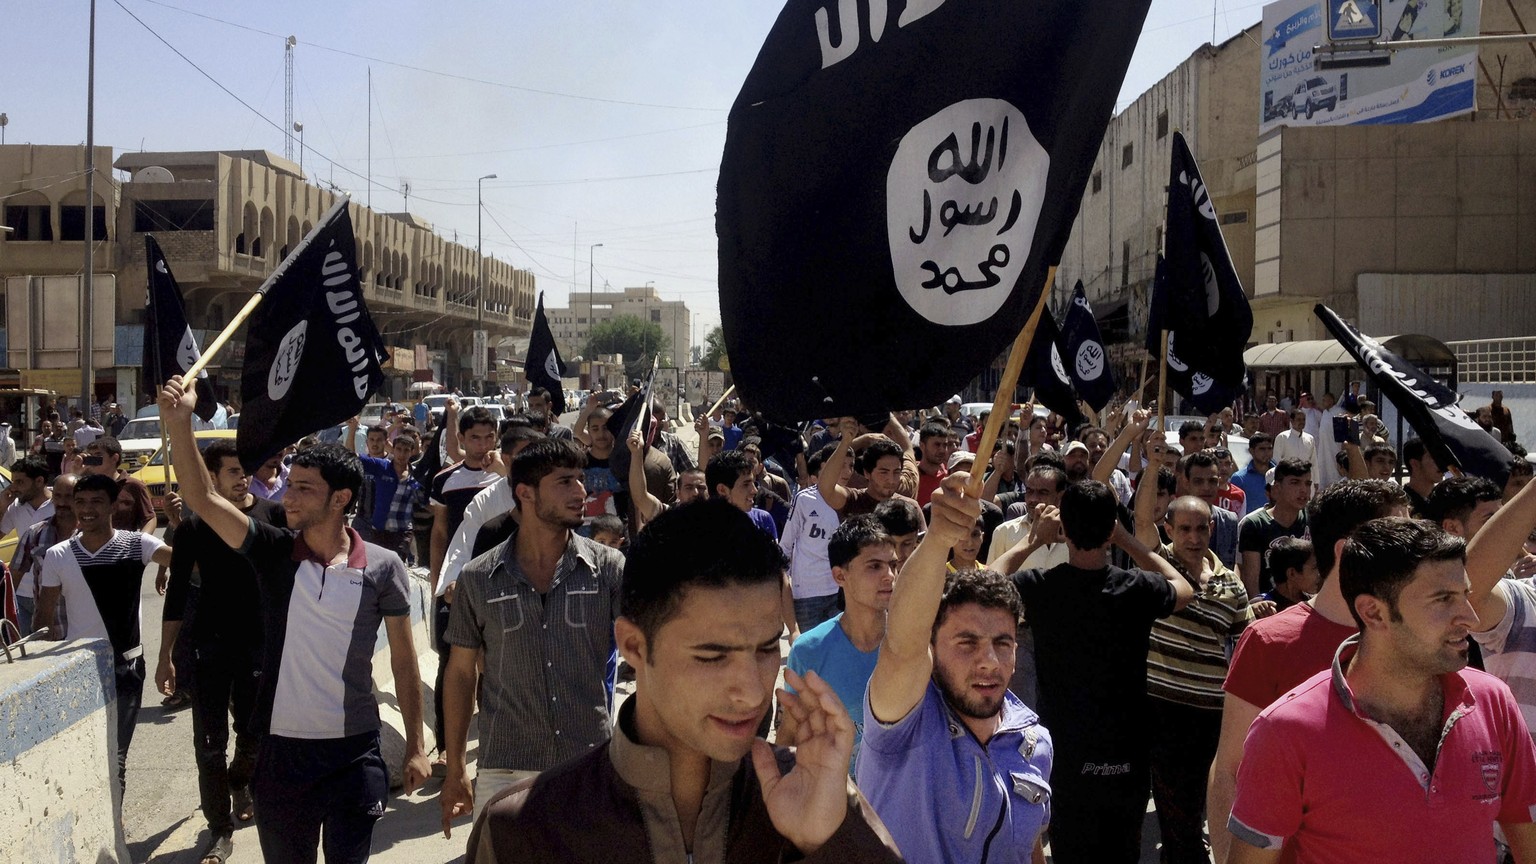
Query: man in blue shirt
x,y
843,650
729,475
956,765
1251,479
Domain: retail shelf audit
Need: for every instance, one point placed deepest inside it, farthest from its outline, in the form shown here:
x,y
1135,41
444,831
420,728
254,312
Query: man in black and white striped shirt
x,y
542,606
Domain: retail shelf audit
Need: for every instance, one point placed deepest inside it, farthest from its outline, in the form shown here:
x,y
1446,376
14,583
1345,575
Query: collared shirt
x,y
1007,535
1187,654
945,796
1331,784
395,499
543,698
20,515
27,565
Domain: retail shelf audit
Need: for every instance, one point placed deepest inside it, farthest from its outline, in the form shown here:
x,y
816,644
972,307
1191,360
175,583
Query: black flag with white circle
x,y
898,177
1083,352
543,365
1046,374
170,347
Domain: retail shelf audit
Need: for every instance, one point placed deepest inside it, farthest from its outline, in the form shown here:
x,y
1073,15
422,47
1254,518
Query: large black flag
x,y
1427,405
543,365
169,346
1205,305
312,354
897,180
1047,375
1083,349
1203,392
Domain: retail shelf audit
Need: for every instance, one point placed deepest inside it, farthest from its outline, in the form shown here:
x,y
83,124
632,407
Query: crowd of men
x,y
991,655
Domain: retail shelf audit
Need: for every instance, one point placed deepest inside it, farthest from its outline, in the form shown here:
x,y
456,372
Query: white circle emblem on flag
x,y
552,365
1056,364
285,362
963,194
1090,361
1200,383
1174,362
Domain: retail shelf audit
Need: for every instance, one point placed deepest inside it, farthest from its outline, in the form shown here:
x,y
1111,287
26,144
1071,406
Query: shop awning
x,y
1420,350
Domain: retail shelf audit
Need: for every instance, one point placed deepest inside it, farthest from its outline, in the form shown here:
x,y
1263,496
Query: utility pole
x,y
288,98
87,375
480,271
591,309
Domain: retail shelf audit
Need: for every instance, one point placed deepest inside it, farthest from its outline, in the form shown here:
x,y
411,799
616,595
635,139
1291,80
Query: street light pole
x,y
480,254
591,309
87,374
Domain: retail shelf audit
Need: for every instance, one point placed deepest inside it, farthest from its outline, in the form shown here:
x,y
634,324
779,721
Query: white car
x,y
140,440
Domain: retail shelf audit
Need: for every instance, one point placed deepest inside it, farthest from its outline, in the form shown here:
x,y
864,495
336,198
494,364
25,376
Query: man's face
x,y
741,492
1298,422
755,459
403,450
109,462
1191,534
1271,403
1202,482
1515,483
25,486
64,496
973,658
1262,453
936,451
1429,466
1382,465
1427,631
885,477
1225,465
560,498
309,501
608,538
231,482
1097,444
1293,492
691,487
1040,490
270,468
970,545
1498,396
1077,464
377,441
868,580
539,403
1468,528
480,439
1192,442
706,681
906,544
93,511
1308,580
1328,402
600,436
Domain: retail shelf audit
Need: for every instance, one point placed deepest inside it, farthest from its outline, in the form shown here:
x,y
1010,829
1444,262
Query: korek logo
x,y
963,194
285,365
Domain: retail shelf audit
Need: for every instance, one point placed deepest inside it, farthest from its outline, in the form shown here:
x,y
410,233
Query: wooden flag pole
x,y
1162,385
723,396
1004,398
250,305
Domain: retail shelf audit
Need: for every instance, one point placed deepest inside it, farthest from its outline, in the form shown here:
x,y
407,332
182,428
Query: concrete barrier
x,y
392,728
58,740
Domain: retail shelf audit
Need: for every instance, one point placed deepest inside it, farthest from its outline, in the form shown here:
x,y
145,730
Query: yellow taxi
x,y
8,542
153,473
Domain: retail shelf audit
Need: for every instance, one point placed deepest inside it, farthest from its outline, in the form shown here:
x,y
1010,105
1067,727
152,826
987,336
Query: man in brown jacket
x,y
684,778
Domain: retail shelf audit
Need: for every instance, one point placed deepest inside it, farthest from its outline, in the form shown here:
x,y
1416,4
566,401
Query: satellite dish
x,y
153,174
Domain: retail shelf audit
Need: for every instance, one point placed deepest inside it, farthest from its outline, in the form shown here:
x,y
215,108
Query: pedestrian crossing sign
x,y
1354,19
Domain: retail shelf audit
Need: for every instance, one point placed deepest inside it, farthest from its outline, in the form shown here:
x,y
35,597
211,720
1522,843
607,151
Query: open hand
x,y
808,804
457,798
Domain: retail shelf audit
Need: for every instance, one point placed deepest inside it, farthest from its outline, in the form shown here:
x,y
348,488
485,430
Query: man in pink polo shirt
x,y
1399,752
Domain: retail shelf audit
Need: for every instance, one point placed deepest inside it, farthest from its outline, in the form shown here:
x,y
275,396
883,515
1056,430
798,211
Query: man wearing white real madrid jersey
x,y
324,593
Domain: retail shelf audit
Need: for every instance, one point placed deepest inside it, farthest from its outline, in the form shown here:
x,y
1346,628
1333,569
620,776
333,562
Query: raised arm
x,y
1146,507
1494,550
1129,433
906,658
834,494
1148,560
579,428
226,520
646,504
451,431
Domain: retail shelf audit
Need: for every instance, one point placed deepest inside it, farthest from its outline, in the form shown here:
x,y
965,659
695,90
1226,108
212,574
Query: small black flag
x,y
312,354
1083,350
634,413
1206,309
1047,375
898,179
1428,406
543,365
169,346
1203,392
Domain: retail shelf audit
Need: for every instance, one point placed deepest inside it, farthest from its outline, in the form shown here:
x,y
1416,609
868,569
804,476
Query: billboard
x,y
664,389
694,383
1416,86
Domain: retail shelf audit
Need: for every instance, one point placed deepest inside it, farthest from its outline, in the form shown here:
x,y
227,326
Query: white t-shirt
x,y
20,516
488,503
806,534
1007,535
101,588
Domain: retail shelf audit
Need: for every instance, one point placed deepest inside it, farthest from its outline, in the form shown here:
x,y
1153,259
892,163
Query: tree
x,y
714,349
639,341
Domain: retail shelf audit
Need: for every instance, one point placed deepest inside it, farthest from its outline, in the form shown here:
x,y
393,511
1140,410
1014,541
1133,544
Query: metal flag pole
x,y
250,305
1010,380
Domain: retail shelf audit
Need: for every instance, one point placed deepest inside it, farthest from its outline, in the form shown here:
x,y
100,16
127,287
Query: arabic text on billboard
x,y
1418,85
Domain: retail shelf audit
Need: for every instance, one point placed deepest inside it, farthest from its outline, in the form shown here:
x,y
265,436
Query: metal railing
x,y
1496,361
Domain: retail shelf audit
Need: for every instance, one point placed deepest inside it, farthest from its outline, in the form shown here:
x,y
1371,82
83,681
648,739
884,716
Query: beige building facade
x,y
573,325
225,219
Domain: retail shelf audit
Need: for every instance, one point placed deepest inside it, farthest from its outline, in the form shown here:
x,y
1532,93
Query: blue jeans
x,y
26,608
810,611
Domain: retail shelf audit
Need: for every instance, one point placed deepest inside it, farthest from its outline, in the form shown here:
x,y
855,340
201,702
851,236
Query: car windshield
x,y
202,444
147,427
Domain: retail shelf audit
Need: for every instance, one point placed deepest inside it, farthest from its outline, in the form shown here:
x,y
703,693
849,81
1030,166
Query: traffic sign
x,y
1354,19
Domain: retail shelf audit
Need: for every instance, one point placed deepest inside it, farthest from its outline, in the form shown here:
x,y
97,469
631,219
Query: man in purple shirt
x,y
956,765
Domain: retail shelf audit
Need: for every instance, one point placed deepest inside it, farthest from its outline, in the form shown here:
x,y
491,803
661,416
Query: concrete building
x,y
225,219
1393,226
573,325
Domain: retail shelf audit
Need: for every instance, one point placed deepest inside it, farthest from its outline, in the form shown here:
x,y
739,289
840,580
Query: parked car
x,y
154,474
140,440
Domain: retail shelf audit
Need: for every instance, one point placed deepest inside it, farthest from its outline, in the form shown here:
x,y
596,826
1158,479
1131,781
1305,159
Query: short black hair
x,y
725,469
1293,468
510,437
1191,427
1083,433
35,467
1345,506
985,588
1519,466
1052,473
217,451
1167,484
477,416
1457,497
701,544
1294,412
108,445
1375,450
1088,513
932,429
1414,449
539,459
1286,554
97,483
539,393
1046,457
814,461
1382,555
1199,459
1259,439
899,516
610,524
853,536
870,456
339,467
537,419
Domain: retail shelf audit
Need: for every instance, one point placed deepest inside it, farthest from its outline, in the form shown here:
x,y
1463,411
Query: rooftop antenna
x,y
405,191
288,97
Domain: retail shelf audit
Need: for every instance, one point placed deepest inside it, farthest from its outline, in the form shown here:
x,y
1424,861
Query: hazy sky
x,y
604,121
